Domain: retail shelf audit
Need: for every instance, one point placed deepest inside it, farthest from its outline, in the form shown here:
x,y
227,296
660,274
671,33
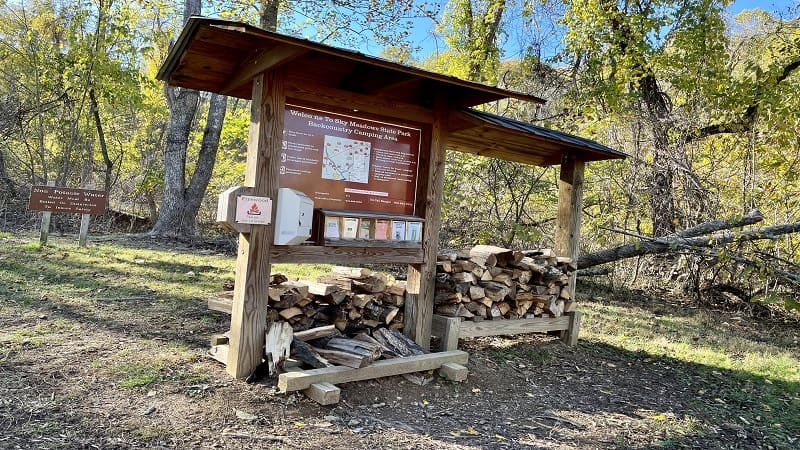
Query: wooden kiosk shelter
x,y
274,71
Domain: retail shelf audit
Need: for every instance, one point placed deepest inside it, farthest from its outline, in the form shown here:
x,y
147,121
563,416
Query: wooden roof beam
x,y
261,61
373,80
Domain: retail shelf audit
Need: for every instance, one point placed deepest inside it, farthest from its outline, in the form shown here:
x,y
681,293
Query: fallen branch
x,y
652,246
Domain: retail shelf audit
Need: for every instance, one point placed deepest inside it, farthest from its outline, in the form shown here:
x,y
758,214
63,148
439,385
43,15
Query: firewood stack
x,y
488,282
352,299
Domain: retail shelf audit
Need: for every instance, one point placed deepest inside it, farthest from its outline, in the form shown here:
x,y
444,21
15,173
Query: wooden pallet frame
x,y
450,329
448,362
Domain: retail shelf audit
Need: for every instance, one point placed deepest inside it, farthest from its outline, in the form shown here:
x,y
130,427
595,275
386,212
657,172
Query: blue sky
x,y
767,5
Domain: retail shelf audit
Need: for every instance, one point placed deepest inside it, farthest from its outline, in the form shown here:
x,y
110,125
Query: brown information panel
x,y
345,162
67,200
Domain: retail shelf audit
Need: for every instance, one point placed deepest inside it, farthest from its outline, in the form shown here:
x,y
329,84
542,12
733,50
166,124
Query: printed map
x,y
346,160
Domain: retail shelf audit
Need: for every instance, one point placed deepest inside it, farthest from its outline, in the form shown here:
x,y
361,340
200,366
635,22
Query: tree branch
x,y
745,123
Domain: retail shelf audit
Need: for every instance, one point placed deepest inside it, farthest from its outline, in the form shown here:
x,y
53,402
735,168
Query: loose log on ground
x,y
680,243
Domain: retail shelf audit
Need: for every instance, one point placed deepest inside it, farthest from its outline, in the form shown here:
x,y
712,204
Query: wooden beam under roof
x,y
262,60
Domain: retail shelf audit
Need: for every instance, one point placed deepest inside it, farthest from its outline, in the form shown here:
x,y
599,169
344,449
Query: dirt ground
x,y
64,387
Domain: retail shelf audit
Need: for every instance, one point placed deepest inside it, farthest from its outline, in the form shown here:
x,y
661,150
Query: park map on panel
x,y
350,163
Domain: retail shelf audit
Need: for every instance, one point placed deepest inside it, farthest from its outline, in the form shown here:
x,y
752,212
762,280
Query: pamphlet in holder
x,y
367,229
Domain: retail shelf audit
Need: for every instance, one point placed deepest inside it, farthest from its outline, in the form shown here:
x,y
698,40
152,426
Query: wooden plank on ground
x,y
296,381
469,329
223,305
220,353
323,393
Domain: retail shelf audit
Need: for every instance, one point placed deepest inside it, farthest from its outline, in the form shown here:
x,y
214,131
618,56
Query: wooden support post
x,y
421,277
249,310
45,228
447,330
83,234
570,335
568,220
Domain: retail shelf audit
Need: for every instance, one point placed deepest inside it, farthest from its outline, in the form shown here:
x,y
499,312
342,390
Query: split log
x,y
371,284
321,289
476,292
398,288
316,333
396,344
382,313
490,256
278,345
277,278
345,358
304,352
290,312
356,347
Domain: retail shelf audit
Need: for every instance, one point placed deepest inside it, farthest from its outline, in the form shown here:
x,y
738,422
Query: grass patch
x,y
751,381
136,375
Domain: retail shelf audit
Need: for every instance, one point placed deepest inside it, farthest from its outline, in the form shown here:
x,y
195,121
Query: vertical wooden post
x,y
83,234
249,311
421,277
568,223
44,231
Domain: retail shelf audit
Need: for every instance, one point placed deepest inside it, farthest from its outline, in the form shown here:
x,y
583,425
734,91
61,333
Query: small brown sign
x,y
67,200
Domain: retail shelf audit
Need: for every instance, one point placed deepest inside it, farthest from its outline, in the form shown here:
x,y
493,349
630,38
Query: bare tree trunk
x,y
206,159
101,136
269,14
7,187
183,105
180,204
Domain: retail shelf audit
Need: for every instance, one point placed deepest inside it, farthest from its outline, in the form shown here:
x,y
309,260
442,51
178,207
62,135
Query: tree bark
x,y
182,105
9,189
207,157
101,136
268,19
180,204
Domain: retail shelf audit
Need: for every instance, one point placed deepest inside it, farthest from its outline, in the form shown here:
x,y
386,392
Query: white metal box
x,y
293,217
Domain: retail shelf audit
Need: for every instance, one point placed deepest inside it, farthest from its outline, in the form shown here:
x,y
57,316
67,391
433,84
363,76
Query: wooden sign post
x,y
44,230
83,234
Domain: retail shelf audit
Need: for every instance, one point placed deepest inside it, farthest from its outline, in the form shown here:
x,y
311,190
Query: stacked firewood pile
x,y
351,299
350,317
488,282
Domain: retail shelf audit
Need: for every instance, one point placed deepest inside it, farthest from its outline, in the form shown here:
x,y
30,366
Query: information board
x,y
350,163
67,200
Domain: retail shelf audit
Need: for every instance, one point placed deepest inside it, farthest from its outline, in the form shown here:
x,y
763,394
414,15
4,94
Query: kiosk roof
x,y
222,56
